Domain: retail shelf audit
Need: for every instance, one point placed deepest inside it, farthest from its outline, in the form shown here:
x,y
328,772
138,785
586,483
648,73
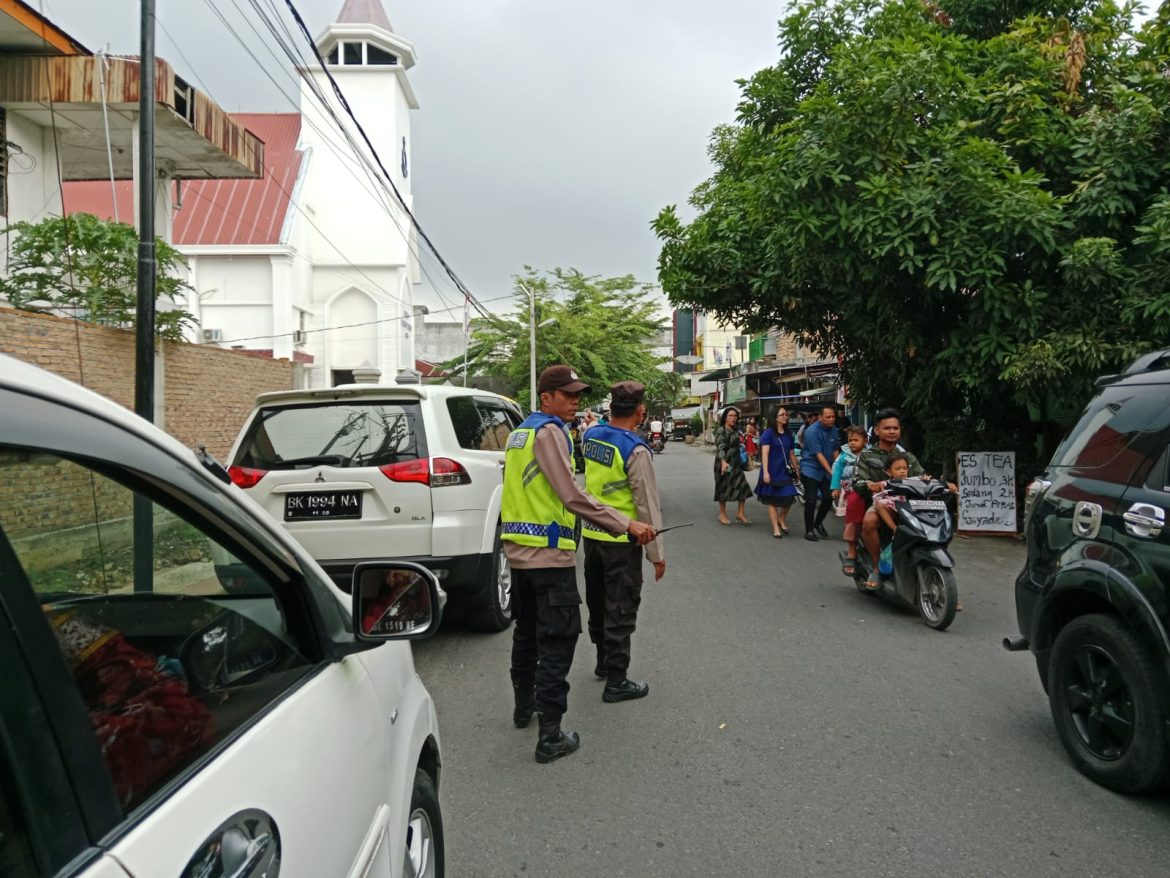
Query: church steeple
x,y
363,38
365,12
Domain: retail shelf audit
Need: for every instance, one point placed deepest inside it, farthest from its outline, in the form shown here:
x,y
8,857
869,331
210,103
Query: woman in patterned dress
x,y
730,483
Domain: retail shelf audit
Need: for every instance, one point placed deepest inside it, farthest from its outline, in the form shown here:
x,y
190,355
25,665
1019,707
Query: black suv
x,y
1093,599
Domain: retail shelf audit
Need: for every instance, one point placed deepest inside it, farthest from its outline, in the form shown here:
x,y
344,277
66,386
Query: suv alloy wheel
x,y
1103,693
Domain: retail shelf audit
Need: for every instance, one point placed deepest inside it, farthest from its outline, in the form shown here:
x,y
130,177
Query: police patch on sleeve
x,y
518,439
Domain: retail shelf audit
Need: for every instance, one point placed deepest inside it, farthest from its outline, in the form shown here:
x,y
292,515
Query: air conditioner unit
x,y
212,335
300,336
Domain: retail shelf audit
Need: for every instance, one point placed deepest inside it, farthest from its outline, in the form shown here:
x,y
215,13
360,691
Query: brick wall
x,y
207,393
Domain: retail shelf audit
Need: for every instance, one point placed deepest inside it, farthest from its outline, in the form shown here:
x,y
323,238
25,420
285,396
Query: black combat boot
x,y
624,690
554,743
525,706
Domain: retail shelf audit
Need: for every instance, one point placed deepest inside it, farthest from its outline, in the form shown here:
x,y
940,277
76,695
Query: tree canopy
x,y
603,327
88,268
966,201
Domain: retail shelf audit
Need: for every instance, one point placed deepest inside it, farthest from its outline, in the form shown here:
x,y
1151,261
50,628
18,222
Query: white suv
x,y
154,722
366,472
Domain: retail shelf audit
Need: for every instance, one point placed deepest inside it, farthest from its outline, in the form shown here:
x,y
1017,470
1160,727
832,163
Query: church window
x,y
332,56
351,54
375,55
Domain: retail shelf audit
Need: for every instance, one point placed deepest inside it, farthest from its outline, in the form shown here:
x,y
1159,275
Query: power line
x,y
349,325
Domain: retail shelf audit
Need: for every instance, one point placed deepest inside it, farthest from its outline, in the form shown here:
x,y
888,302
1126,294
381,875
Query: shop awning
x,y
715,375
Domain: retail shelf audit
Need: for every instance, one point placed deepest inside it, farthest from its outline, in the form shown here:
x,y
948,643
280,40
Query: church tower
x,y
359,242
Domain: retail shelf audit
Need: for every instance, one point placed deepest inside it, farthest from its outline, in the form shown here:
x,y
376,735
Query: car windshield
x,y
352,434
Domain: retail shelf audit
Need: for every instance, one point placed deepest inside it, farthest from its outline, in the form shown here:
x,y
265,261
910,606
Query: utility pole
x,y
144,331
533,403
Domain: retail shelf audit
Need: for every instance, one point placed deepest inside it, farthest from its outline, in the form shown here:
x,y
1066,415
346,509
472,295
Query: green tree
x,y
88,267
972,211
602,327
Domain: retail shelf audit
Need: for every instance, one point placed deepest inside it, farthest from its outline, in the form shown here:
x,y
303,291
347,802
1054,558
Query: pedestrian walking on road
x,y
776,488
730,460
539,509
841,487
817,454
619,473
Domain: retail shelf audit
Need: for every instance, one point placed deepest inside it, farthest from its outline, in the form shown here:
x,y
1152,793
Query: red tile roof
x,y
218,211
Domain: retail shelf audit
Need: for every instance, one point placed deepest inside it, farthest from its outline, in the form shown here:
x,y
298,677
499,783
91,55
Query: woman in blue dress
x,y
776,488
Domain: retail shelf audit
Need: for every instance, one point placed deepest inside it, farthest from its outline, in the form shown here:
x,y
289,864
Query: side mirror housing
x,y
395,600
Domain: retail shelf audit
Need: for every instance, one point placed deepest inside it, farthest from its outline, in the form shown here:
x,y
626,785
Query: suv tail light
x,y
246,476
437,472
445,471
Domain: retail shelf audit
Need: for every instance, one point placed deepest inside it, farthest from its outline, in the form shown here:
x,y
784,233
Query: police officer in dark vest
x,y
619,473
541,502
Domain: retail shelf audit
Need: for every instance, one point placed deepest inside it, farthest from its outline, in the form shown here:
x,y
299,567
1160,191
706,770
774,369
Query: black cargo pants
x,y
547,609
613,592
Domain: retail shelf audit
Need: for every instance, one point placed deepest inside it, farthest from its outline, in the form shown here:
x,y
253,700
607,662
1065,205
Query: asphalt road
x,y
794,727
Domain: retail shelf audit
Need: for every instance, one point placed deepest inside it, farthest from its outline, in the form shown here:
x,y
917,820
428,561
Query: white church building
x,y
316,261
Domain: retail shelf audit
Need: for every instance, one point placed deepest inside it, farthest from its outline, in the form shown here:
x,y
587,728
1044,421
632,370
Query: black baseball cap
x,y
561,377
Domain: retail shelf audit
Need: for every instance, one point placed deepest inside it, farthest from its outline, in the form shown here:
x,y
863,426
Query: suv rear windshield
x,y
349,434
1116,421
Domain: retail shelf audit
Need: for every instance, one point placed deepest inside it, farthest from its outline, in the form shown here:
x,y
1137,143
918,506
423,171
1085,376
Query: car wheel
x,y
424,857
492,609
938,596
1107,699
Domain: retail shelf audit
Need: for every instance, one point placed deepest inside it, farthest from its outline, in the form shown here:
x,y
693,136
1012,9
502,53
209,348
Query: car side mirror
x,y
396,600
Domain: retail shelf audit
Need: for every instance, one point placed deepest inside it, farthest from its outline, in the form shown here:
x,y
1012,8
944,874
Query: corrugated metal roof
x,y
218,211
364,12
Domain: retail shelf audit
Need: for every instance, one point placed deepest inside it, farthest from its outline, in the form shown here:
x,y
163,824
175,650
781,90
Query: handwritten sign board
x,y
987,491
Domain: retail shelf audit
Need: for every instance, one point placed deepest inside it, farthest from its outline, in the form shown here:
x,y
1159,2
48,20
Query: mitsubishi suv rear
x,y
1093,599
368,472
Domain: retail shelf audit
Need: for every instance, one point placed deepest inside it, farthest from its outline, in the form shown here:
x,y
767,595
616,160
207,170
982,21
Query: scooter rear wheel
x,y
938,596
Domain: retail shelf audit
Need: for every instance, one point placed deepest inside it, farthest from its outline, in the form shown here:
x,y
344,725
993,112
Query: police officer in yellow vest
x,y
539,512
619,472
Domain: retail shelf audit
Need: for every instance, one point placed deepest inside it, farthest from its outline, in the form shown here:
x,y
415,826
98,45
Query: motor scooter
x,y
922,574
657,441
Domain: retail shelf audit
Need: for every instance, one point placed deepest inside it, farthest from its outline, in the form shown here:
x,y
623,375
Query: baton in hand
x,y
663,530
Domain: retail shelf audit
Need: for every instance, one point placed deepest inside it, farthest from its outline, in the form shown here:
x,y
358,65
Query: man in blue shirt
x,y
818,450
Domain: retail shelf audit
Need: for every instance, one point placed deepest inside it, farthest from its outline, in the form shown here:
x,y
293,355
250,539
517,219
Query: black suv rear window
x,y
1112,424
342,434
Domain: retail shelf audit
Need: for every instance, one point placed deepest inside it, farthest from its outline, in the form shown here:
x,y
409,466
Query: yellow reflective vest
x,y
607,449
530,511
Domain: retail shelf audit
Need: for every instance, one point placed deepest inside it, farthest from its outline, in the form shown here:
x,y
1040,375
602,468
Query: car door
x,y
1142,564
1073,528
228,739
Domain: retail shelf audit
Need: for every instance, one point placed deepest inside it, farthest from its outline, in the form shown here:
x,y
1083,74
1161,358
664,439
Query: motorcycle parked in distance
x,y
921,575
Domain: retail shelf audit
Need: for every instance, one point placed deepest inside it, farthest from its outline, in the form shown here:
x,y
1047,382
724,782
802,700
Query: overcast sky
x,y
550,133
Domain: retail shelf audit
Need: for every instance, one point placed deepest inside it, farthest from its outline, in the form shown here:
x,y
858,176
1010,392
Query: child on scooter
x,y
897,467
843,493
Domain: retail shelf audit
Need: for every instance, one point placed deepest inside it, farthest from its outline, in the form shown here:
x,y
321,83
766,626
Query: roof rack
x,y
1151,362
